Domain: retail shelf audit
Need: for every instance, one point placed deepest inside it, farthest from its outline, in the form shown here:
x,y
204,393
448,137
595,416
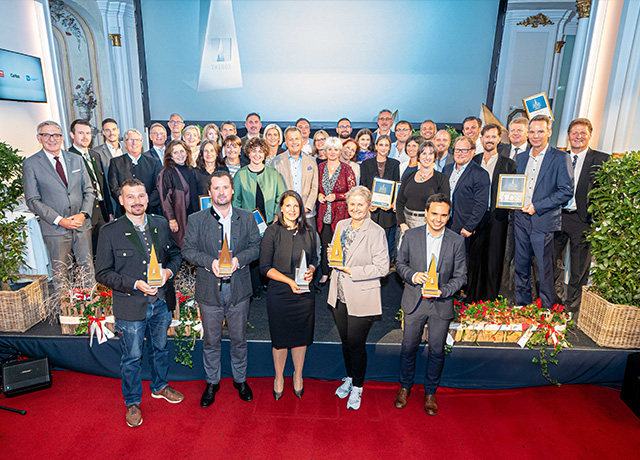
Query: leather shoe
x,y
430,404
209,395
402,397
244,391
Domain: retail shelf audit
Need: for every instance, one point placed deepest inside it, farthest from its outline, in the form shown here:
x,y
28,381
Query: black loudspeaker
x,y
630,392
25,375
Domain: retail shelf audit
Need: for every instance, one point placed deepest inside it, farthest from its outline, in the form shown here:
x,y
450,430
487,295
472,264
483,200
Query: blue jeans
x,y
132,333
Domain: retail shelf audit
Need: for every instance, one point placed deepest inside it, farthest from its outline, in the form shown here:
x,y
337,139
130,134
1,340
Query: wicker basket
x,y
607,324
20,310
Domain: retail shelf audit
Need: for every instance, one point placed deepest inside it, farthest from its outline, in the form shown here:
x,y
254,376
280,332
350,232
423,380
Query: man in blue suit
x,y
469,185
549,186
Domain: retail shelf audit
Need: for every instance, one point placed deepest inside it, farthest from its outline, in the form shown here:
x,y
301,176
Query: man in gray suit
x,y
58,189
299,172
418,247
111,147
222,296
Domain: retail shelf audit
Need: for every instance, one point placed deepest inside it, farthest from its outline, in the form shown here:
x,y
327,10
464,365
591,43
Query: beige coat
x,y
368,258
309,178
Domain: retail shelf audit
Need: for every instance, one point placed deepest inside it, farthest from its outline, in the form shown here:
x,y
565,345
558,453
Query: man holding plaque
x,y
222,241
132,250
549,186
420,246
486,251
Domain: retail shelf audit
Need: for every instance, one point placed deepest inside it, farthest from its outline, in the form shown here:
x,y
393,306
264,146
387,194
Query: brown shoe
x,y
401,398
134,415
430,404
170,394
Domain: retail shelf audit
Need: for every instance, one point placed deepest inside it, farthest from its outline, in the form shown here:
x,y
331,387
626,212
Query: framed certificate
x,y
511,189
262,224
205,202
537,105
395,193
382,193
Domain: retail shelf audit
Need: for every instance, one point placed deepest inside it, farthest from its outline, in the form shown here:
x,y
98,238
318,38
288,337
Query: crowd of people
x,y
193,190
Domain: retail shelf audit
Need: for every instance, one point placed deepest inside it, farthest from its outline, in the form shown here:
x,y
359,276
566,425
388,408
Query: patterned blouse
x,y
347,238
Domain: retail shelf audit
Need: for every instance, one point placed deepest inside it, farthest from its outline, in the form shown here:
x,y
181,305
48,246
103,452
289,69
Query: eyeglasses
x,y
135,141
176,122
384,118
344,126
402,130
462,150
47,136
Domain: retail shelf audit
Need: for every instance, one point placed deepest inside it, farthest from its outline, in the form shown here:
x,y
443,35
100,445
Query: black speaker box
x,y
630,392
25,375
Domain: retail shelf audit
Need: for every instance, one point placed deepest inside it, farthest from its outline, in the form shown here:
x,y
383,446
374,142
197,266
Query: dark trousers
x,y
486,259
531,241
326,234
414,323
573,232
353,332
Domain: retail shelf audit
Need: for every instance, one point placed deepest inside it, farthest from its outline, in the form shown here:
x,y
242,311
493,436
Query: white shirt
x,y
571,206
295,165
520,149
479,148
114,152
52,160
226,223
532,171
455,176
434,244
159,152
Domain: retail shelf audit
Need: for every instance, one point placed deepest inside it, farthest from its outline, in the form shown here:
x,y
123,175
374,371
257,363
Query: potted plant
x,y
609,312
20,306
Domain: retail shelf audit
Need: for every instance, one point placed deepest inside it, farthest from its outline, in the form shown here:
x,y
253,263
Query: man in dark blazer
x,y
57,189
576,219
158,137
437,312
124,256
549,186
80,132
135,165
487,247
518,129
221,296
469,185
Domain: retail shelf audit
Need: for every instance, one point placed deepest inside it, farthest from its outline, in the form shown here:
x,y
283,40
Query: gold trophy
x,y
430,288
154,272
336,258
224,259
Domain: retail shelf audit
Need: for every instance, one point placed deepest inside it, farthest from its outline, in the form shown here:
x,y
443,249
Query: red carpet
x,y
82,416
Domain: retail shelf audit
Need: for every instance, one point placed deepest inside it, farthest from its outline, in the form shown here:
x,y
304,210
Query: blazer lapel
x,y
47,166
357,240
443,248
546,162
584,178
132,235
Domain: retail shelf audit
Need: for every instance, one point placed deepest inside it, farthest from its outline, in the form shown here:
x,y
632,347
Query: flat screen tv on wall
x,y
21,77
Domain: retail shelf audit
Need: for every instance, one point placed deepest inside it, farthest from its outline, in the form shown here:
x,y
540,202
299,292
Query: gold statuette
x,y
430,288
336,258
224,259
154,272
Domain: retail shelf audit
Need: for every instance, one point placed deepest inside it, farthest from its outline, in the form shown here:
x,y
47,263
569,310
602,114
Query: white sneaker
x,y
344,389
354,398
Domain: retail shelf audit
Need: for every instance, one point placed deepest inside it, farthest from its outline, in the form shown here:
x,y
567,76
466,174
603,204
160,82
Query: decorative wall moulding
x,y
559,45
583,8
115,39
537,20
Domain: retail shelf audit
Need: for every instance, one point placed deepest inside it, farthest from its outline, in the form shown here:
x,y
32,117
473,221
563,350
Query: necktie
x,y
60,171
516,151
575,160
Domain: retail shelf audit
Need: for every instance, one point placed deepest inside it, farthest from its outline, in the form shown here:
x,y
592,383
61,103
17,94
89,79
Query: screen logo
x,y
1,73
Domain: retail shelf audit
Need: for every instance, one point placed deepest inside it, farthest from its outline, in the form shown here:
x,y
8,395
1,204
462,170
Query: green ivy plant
x,y
615,233
12,233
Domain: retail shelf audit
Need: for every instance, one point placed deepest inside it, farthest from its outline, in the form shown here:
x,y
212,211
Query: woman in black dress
x,y
291,312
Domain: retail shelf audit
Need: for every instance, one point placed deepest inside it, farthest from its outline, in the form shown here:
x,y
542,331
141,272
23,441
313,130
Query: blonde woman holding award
x,y
286,247
354,292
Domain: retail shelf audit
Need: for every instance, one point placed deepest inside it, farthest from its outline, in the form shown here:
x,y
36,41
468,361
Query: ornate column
x,y
583,8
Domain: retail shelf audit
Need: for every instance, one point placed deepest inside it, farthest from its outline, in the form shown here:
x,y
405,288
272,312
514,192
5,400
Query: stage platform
x,y
468,365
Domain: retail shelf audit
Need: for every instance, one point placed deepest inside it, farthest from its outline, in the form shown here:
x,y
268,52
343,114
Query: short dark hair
x,y
580,121
422,146
302,119
131,183
476,119
437,198
404,122
253,114
79,121
232,139
256,142
344,119
417,138
220,173
108,120
489,127
301,221
544,118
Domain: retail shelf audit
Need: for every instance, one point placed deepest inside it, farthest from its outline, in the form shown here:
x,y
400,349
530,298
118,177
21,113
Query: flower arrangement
x,y
84,96
186,328
87,305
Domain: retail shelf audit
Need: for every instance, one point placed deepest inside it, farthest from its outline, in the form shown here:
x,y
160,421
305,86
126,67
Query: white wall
x,y
23,29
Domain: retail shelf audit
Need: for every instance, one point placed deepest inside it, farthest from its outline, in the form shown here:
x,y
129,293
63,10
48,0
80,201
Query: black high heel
x,y
300,392
277,394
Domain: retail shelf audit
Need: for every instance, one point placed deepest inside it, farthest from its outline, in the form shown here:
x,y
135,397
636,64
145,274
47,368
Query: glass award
x,y
224,259
154,272
336,258
300,272
430,288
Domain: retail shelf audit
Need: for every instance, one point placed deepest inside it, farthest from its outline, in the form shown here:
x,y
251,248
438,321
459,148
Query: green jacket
x,y
244,190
